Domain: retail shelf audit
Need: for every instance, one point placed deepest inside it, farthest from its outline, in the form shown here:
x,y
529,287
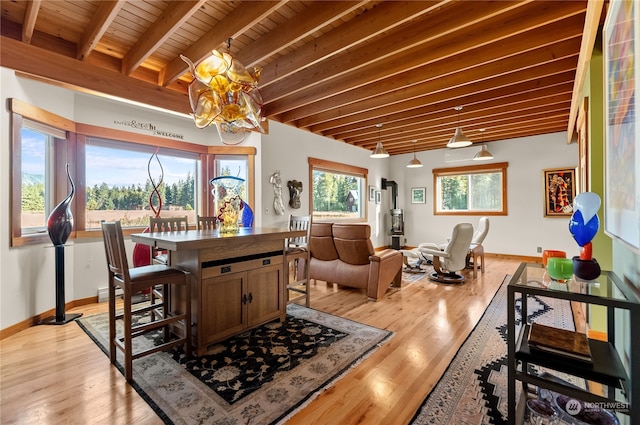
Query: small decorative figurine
x,y
584,225
295,189
278,206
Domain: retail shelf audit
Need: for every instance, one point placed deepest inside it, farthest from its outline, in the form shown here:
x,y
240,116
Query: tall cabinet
x,y
613,380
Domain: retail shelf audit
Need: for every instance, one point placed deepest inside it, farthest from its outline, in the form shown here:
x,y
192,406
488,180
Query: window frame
x,y
73,152
339,168
500,167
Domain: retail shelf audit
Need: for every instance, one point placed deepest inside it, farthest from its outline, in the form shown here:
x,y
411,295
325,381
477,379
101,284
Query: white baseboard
x,y
103,294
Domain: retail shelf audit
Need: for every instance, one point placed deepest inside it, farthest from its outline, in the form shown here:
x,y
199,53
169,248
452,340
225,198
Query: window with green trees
x,y
337,190
119,186
471,190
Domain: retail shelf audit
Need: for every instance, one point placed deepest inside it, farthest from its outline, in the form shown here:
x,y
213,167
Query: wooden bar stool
x,y
132,281
298,249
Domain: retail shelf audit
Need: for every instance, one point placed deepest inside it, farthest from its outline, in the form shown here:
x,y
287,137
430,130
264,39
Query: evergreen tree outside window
x,y
337,191
473,190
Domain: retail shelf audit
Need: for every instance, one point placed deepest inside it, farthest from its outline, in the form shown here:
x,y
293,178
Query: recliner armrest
x,y
435,252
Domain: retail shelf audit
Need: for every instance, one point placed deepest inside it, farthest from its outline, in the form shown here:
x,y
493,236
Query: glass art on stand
x,y
229,207
142,252
584,225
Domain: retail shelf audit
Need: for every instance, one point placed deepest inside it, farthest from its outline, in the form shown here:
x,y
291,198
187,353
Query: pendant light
x,y
415,162
484,154
459,140
379,151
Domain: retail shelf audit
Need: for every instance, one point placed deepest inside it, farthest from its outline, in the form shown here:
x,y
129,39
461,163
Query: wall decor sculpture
x,y
278,206
295,189
59,226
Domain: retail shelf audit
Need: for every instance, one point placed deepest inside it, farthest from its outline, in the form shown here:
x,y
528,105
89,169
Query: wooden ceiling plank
x,y
171,19
381,18
246,15
494,119
589,34
100,22
549,74
23,57
359,98
374,81
377,55
489,106
443,136
318,15
30,18
475,27
447,100
475,102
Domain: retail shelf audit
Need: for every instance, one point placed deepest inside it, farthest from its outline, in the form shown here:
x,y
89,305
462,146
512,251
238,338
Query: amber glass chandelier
x,y
226,94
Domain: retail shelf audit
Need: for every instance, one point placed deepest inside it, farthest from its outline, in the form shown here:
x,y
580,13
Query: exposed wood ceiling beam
x,y
246,15
171,19
102,19
30,17
91,78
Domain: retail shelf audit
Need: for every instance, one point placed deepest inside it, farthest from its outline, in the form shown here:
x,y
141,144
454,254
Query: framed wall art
x,y
378,197
622,147
559,191
372,194
418,195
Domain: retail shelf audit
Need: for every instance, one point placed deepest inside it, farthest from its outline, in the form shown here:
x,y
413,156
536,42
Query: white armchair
x,y
453,258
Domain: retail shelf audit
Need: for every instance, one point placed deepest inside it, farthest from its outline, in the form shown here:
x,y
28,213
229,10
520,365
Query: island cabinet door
x,y
265,294
223,308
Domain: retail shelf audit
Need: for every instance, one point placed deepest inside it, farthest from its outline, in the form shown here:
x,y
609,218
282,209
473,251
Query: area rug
x,y
262,376
473,389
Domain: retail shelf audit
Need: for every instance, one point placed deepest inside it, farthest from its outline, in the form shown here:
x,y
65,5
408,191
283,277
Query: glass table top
x,y
534,275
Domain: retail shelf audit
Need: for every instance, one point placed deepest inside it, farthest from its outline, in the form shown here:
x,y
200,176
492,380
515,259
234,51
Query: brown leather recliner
x,y
344,254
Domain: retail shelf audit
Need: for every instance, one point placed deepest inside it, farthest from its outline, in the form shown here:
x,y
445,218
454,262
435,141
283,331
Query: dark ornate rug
x,y
262,376
473,389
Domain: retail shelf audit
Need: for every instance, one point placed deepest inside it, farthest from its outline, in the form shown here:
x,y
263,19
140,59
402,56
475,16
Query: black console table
x,y
620,382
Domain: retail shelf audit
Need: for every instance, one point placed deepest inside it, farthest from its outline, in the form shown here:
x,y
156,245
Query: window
x,y
119,187
337,190
110,169
473,190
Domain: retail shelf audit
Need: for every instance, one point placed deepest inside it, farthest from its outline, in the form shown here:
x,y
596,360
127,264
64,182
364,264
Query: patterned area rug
x,y
262,376
473,389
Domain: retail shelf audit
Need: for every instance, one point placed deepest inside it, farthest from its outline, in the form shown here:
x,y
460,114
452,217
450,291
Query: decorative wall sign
x,y
149,127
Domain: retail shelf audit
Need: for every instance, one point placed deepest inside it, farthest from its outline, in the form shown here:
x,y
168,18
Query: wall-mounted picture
x,y
622,145
418,195
378,197
372,193
559,191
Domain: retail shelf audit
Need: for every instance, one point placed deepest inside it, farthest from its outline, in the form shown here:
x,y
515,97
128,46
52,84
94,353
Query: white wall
x,y
287,149
27,273
524,228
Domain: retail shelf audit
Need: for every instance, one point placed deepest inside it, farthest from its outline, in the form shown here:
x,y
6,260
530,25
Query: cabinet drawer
x,y
212,269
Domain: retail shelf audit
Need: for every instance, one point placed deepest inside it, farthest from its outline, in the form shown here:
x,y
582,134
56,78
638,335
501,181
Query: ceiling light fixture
x,y
379,151
458,140
226,94
415,162
484,154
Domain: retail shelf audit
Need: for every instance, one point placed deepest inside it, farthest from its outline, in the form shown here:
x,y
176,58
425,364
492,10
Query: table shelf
x,y
620,387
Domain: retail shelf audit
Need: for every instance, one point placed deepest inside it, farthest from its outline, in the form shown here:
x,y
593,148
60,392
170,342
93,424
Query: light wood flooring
x,y
57,375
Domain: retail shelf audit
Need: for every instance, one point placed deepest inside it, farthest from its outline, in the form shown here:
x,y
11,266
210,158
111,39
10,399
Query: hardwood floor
x,y
56,374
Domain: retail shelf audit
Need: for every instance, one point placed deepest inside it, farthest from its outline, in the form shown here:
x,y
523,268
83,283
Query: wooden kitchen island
x,y
237,279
